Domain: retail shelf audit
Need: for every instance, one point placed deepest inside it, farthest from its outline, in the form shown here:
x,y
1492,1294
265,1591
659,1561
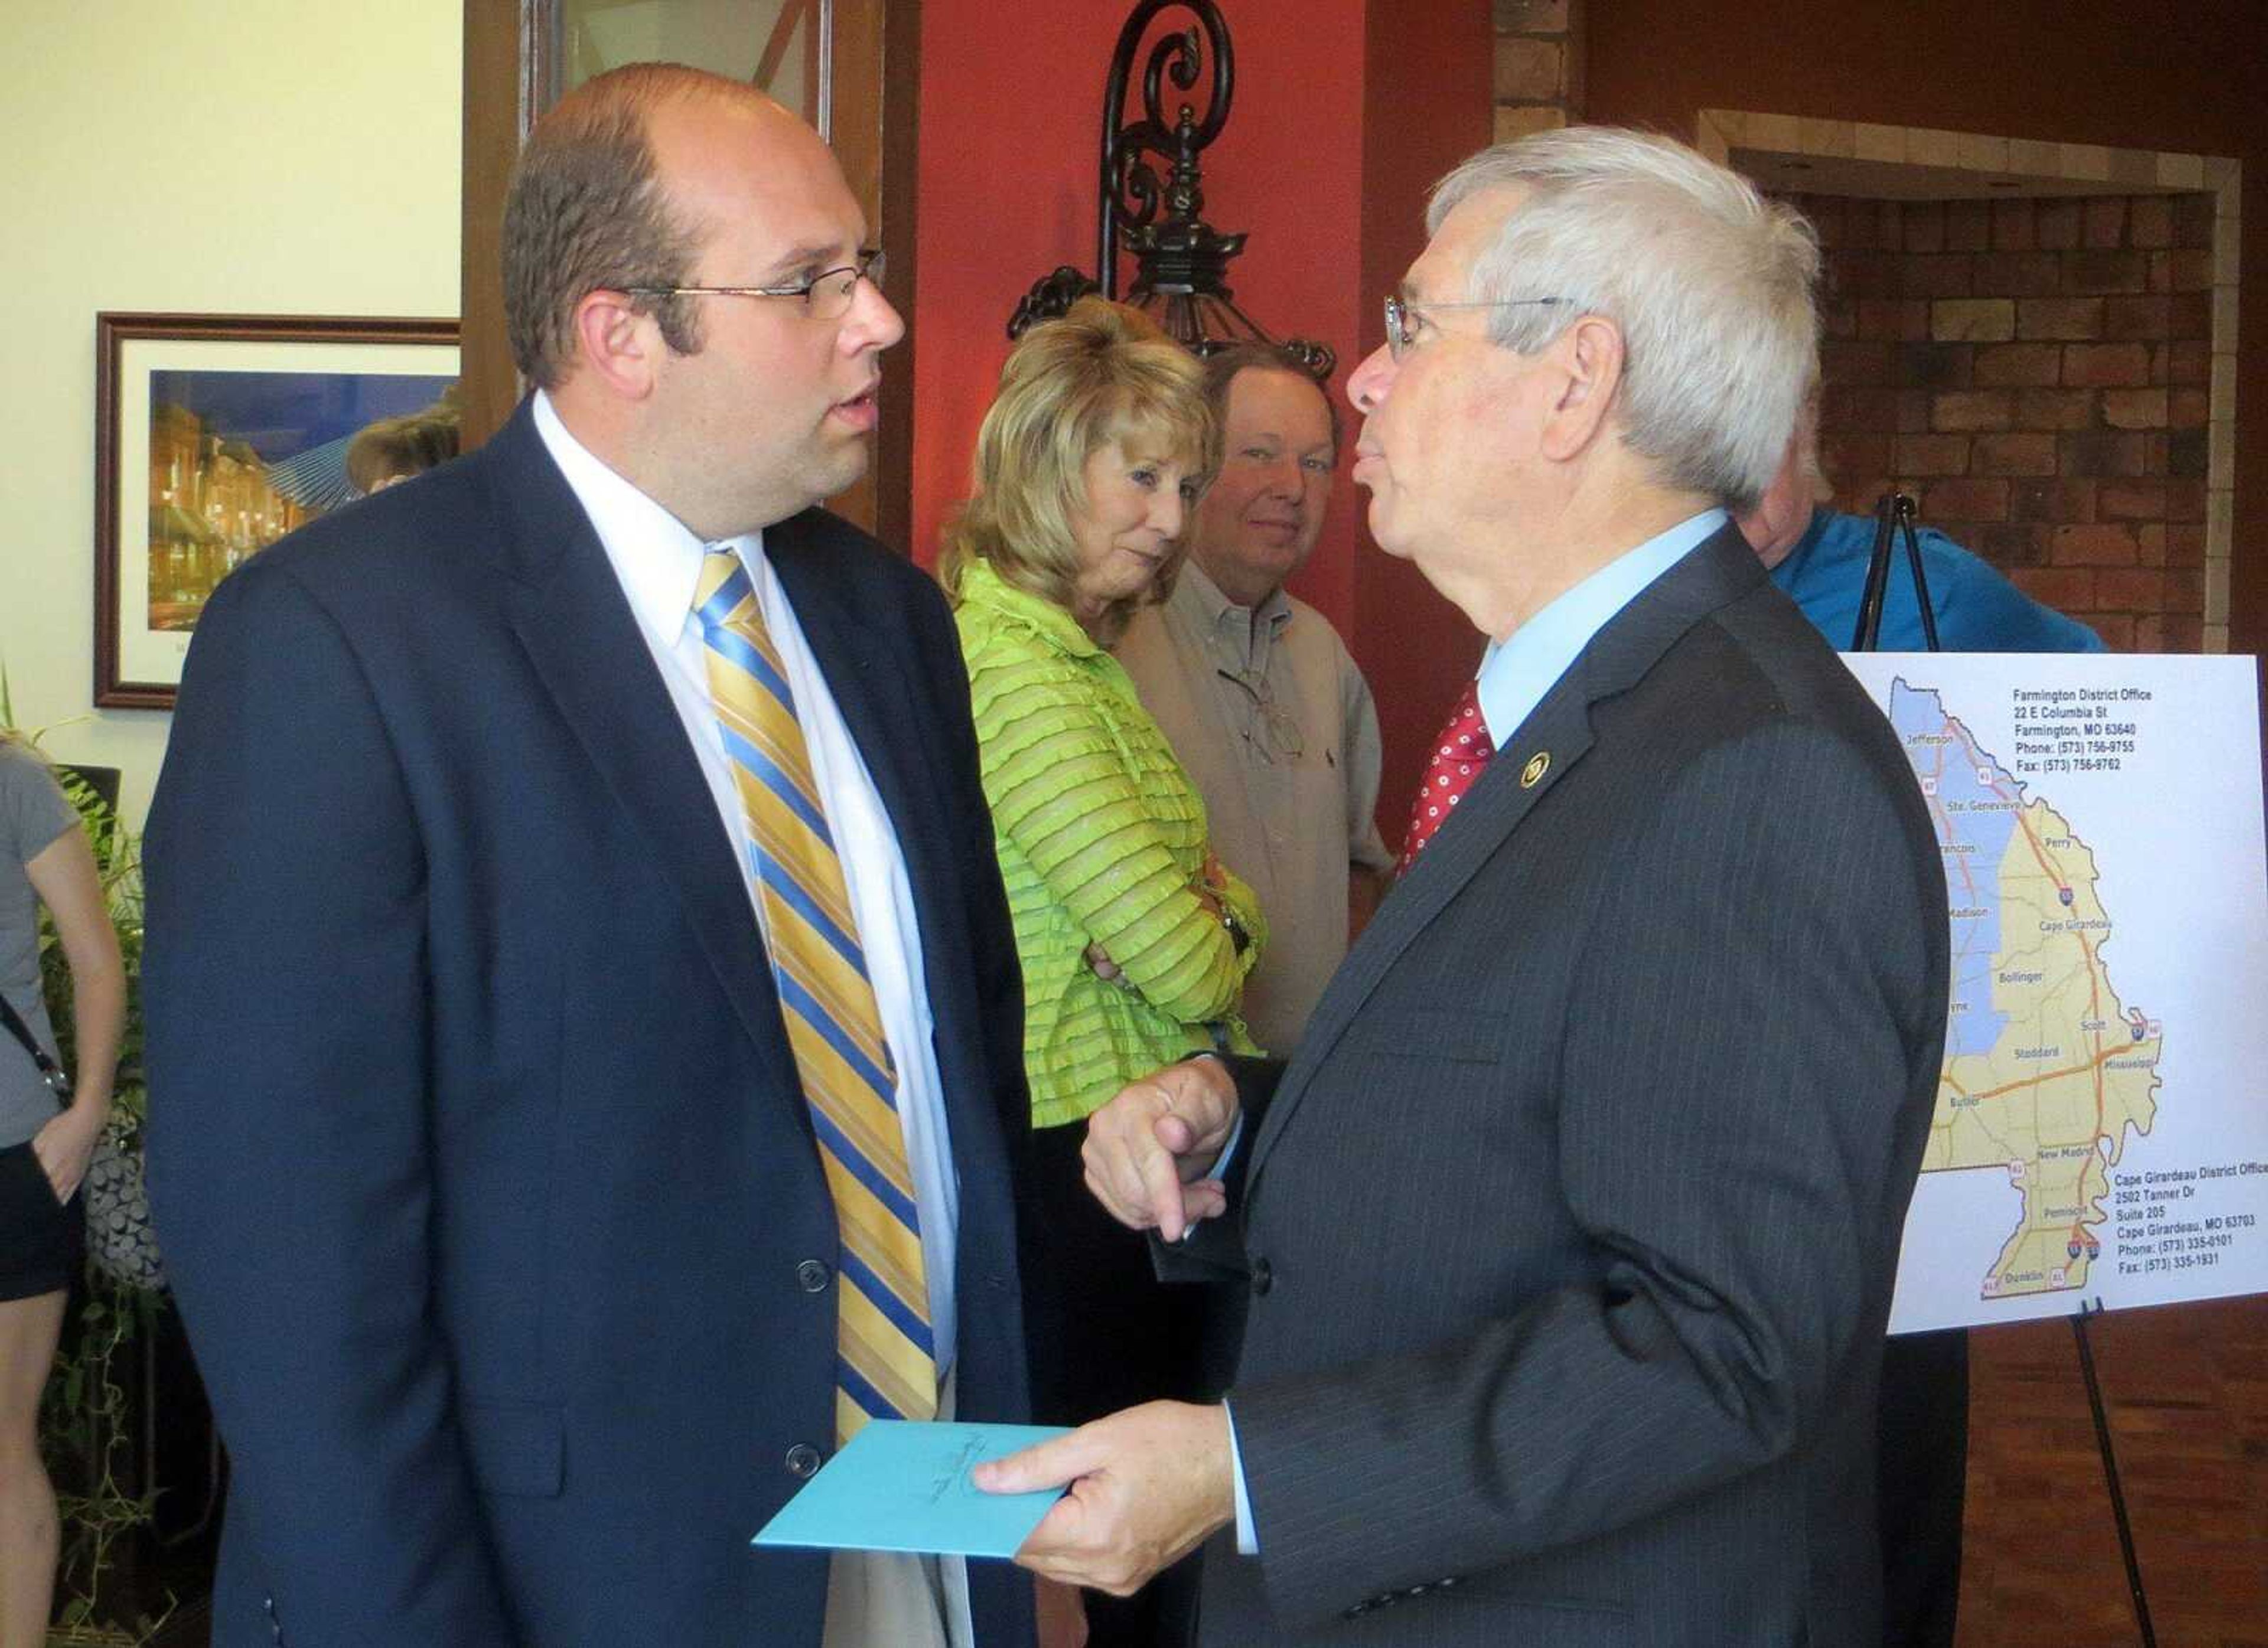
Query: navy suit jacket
x,y
1572,1223
484,1176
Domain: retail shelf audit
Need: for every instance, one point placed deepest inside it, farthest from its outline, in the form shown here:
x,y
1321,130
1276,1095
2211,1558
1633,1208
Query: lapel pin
x,y
1538,764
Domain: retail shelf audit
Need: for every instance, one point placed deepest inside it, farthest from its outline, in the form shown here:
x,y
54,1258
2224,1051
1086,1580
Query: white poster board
x,y
2102,1125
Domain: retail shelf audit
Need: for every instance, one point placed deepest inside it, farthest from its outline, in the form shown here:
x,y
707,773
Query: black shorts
x,y
40,1241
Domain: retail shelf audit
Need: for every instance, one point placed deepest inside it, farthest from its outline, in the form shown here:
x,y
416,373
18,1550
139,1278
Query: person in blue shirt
x,y
1818,556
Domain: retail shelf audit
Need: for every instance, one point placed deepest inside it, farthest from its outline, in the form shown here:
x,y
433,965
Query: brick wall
x,y
1539,65
2036,371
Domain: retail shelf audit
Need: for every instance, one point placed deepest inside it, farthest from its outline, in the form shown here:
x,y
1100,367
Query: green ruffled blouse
x,y
1102,839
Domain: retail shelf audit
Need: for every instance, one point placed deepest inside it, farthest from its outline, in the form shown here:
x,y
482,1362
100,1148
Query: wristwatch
x,y
1239,934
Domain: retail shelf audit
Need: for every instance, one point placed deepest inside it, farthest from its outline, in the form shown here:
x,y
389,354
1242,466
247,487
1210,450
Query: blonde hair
x,y
1102,374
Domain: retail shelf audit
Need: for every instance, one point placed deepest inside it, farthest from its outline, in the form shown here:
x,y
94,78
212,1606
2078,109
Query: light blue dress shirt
x,y
1516,673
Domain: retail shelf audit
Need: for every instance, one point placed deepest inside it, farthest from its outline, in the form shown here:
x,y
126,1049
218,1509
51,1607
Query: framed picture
x,y
215,434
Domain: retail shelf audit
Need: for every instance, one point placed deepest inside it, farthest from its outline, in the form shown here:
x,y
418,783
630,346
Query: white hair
x,y
1710,283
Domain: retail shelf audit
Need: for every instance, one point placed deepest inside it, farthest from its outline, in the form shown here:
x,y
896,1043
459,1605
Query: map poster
x,y
2102,1124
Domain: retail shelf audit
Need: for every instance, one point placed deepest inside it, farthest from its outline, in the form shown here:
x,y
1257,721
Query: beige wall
x,y
255,157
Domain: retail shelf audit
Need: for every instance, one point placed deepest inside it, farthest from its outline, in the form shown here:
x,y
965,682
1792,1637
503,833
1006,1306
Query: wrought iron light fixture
x,y
1181,260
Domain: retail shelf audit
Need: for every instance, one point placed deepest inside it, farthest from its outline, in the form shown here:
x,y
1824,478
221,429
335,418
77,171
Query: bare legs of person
x,y
29,1535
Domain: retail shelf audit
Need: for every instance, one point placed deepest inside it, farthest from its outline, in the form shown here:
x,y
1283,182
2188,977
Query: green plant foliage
x,y
85,1420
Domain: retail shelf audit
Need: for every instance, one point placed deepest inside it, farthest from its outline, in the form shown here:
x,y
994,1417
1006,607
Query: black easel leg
x,y
2110,1477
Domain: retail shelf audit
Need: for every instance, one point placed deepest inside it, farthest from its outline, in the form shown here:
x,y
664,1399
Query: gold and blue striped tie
x,y
886,1357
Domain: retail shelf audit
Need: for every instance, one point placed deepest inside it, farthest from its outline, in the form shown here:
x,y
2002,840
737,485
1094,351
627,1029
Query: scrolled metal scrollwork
x,y
1320,358
1132,192
1050,298
1156,215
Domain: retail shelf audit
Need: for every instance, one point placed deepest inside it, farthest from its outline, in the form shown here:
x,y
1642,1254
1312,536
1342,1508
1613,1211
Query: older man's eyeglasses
x,y
826,296
1403,319
1277,733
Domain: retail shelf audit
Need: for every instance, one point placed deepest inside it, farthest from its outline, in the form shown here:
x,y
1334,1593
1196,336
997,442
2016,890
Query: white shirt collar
x,y
656,556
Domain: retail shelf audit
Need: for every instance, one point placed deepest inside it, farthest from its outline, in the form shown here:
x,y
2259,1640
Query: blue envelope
x,y
900,1486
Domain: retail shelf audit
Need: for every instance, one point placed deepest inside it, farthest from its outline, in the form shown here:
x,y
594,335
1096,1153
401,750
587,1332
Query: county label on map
x,y
2101,1132
2046,1071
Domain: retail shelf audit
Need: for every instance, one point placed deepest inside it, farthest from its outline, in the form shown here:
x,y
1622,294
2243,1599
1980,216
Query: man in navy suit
x,y
1571,1226
480,1151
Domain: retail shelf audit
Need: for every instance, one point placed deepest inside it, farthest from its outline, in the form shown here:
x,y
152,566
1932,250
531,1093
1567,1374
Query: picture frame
x,y
215,434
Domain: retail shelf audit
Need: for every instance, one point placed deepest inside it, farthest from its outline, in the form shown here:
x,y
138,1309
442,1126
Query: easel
x,y
1895,515
1895,512
2110,1470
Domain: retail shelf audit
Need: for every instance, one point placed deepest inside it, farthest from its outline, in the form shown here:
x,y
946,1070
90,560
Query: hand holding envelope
x,y
1146,1487
899,1486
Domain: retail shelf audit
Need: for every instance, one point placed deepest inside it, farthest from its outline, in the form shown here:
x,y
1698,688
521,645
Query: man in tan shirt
x,y
1256,693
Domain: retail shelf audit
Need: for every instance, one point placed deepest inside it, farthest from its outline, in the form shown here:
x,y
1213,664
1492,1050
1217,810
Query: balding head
x,y
687,282
588,209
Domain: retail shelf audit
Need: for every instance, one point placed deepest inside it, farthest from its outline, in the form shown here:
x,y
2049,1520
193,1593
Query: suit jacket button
x,y
813,1275
803,1460
1264,1276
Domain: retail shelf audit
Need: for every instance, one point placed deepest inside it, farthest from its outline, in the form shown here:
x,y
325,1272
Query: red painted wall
x,y
1344,111
1010,126
1427,84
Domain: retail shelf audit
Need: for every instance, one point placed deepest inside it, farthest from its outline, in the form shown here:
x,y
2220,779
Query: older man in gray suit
x,y
1571,1228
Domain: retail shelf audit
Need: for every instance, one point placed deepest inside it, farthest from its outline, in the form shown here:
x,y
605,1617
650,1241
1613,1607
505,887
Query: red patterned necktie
x,y
1459,754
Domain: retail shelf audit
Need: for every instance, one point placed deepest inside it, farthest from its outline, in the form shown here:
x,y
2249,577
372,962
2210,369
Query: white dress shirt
x,y
658,563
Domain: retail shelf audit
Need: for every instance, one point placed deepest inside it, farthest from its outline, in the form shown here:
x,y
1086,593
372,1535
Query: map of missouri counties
x,y
2045,1068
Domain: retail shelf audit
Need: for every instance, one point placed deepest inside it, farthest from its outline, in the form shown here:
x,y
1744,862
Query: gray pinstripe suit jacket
x,y
1572,1224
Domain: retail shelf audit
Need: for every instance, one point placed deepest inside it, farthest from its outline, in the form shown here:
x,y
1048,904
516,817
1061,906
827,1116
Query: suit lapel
x,y
864,657
564,601
1489,813
1555,737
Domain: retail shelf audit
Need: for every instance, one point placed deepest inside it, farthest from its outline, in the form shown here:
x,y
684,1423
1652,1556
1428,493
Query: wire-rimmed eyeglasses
x,y
1281,735
826,295
1402,318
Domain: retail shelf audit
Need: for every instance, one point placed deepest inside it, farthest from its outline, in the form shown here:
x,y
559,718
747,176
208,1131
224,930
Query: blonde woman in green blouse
x,y
1134,941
